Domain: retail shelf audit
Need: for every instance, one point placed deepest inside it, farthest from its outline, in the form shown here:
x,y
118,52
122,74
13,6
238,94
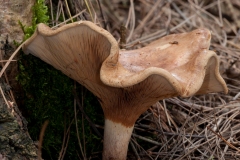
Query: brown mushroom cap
x,y
128,82
183,59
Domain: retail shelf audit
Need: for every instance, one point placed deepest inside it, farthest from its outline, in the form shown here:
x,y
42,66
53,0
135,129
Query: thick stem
x,y
116,139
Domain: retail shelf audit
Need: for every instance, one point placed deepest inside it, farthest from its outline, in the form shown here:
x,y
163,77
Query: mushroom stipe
x,y
128,82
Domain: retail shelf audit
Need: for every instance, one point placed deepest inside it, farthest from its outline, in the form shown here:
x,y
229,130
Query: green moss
x,y
48,95
40,15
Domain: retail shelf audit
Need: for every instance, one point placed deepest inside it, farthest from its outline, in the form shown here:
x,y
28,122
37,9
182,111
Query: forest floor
x,y
199,127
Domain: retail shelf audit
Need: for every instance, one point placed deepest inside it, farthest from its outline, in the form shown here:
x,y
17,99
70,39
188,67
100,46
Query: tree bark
x,y
15,142
11,12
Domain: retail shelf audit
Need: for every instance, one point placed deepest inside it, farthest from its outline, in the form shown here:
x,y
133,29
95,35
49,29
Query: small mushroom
x,y
127,83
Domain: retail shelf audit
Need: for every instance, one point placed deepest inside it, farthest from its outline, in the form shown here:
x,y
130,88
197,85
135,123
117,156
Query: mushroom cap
x,y
80,49
126,83
183,59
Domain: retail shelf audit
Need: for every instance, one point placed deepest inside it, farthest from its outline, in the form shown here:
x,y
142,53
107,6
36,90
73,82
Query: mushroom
x,y
128,82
